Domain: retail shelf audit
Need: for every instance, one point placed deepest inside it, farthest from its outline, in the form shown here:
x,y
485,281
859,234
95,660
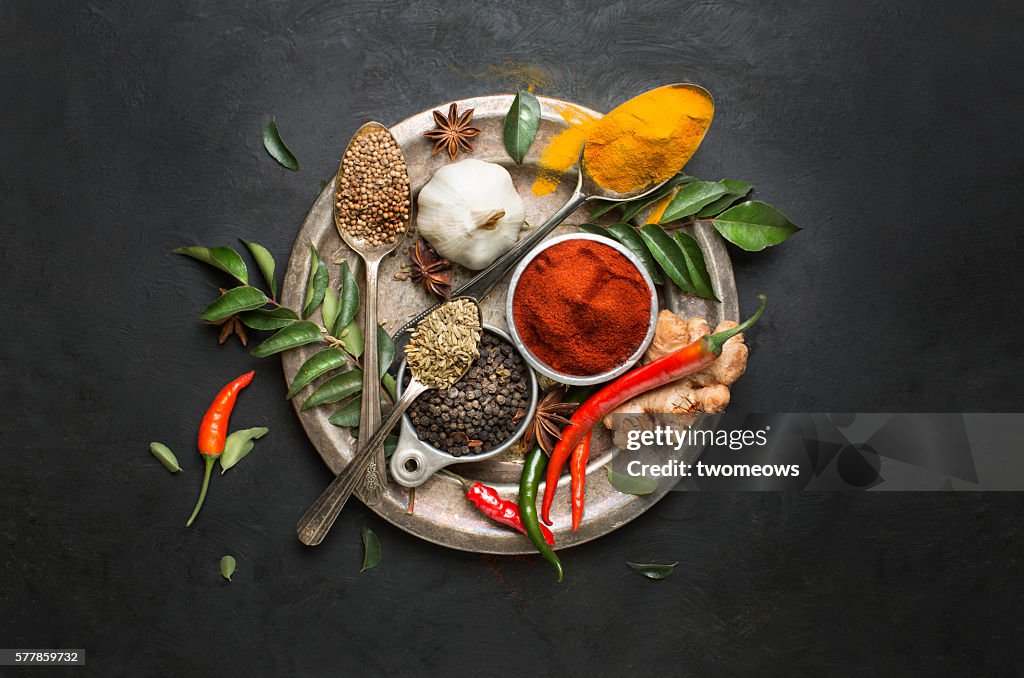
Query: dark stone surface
x,y
890,131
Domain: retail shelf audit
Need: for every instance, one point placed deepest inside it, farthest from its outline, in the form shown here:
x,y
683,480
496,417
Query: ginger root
x,y
704,391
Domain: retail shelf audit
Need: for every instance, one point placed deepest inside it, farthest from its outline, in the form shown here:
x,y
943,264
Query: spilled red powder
x,y
582,307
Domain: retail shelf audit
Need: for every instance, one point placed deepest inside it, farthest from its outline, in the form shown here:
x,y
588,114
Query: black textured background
x,y
889,130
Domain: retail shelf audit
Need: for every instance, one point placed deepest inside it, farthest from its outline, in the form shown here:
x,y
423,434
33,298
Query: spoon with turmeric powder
x,y
629,153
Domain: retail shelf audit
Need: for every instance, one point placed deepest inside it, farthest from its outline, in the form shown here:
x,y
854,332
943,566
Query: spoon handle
x,y
369,412
318,519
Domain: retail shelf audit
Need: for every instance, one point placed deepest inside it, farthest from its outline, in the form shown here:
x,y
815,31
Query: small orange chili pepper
x,y
213,431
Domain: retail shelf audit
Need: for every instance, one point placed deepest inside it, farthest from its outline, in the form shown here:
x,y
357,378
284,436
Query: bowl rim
x,y
539,365
509,442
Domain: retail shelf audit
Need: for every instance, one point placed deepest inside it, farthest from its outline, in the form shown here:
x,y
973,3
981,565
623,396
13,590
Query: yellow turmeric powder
x,y
642,142
563,150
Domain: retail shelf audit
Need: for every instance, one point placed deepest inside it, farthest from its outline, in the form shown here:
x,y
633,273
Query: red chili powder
x,y
582,307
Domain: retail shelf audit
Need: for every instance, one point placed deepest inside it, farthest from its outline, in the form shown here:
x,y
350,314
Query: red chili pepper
x,y
494,507
214,428
213,431
666,369
578,471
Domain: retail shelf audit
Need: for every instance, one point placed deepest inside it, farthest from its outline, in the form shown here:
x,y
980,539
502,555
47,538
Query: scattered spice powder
x,y
582,307
372,196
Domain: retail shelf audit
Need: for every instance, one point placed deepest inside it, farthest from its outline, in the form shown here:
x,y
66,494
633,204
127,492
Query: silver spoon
x,y
369,413
318,519
586,190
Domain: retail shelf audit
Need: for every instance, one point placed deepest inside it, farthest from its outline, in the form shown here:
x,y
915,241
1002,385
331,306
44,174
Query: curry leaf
x,y
336,388
385,350
265,260
390,445
234,301
737,189
238,445
297,334
654,571
754,225
227,567
602,207
691,198
352,338
224,258
668,255
628,236
348,301
695,265
389,383
348,414
371,549
635,207
521,124
165,456
330,308
630,484
276,148
319,277
268,318
319,364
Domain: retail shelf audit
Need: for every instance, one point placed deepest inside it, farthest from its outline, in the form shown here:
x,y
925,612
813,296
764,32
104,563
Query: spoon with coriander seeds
x,y
440,351
372,210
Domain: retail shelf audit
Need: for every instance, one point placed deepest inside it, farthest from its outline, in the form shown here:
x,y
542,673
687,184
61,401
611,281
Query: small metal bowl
x,y
414,461
575,379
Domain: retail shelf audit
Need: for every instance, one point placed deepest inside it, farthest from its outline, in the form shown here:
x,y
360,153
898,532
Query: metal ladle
x,y
369,413
318,519
587,189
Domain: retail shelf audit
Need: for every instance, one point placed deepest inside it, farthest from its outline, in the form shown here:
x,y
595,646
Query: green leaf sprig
x,y
337,364
750,225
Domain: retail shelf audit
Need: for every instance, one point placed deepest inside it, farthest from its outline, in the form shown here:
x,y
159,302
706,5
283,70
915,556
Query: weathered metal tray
x,y
441,513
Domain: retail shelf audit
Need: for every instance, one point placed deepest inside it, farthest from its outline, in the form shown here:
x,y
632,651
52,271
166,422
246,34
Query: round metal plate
x,y
441,513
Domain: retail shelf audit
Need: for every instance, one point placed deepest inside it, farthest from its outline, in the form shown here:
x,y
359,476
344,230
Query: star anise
x,y
431,270
230,325
452,131
551,417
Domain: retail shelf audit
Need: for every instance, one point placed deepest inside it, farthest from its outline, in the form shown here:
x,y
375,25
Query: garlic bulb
x,y
470,212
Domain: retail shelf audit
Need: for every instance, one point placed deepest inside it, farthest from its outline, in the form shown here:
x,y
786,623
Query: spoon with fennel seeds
x,y
441,349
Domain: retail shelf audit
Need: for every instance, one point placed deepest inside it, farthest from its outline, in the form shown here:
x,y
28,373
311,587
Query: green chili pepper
x,y
533,472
